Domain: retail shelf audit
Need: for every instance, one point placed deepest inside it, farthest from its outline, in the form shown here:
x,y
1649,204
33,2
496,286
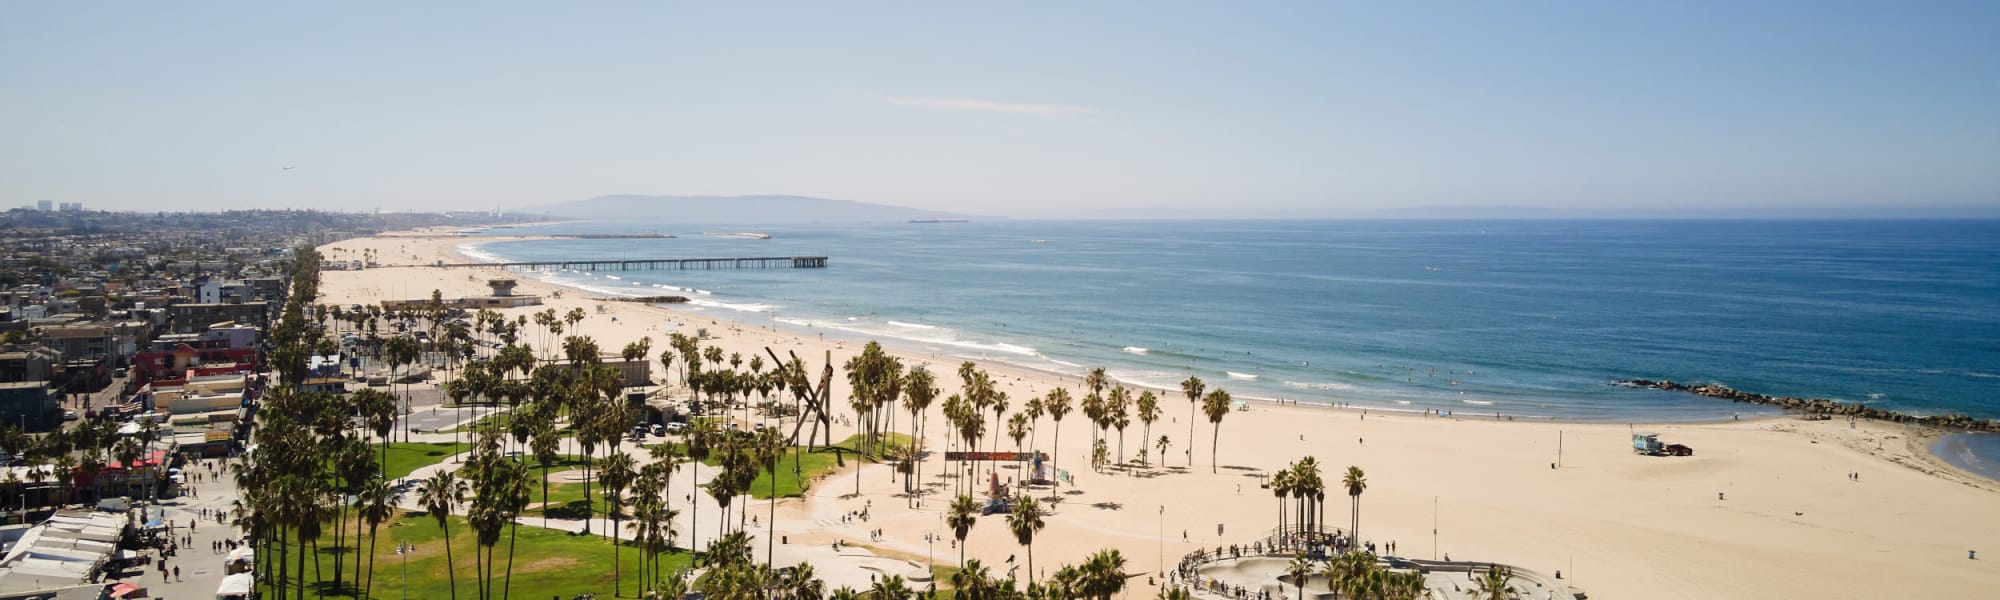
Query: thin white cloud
x,y
969,104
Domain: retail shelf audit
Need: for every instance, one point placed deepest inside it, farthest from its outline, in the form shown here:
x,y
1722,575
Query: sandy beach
x,y
1764,509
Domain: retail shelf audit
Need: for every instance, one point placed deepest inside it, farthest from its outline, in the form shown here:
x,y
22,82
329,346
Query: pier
x,y
653,264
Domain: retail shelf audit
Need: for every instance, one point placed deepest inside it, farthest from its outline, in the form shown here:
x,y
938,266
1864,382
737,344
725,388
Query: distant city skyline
x,y
1114,109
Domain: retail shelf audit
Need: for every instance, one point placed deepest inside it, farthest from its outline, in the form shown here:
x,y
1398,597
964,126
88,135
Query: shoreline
x,y
830,330
1776,408
1651,527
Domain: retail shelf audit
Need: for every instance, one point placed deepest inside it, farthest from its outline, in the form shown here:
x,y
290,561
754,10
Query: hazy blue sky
x,y
1321,108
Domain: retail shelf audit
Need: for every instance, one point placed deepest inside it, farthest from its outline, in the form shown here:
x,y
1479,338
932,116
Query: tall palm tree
x,y
442,493
1312,489
919,390
701,438
1193,388
1017,428
1149,411
964,514
1026,521
376,504
1216,406
769,447
1057,403
1117,412
1356,482
1281,486
616,474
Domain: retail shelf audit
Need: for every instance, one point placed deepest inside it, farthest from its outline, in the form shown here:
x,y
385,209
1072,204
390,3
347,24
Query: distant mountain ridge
x,y
729,208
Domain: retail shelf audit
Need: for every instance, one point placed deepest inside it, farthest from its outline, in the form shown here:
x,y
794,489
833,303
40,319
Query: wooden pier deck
x,y
650,264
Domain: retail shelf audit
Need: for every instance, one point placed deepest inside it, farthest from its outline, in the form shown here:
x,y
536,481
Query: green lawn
x,y
405,457
547,563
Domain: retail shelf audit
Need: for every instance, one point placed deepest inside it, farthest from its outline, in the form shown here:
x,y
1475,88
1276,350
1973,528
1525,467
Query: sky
x,y
1101,109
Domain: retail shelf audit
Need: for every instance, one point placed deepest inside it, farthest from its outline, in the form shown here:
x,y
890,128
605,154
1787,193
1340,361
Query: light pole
x,y
1163,542
1434,527
931,540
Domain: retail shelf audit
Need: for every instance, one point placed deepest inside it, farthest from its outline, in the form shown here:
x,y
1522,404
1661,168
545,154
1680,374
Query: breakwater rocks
x,y
1821,406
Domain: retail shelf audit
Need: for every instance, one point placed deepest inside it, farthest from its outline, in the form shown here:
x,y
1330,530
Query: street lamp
x,y
931,539
1434,527
1163,542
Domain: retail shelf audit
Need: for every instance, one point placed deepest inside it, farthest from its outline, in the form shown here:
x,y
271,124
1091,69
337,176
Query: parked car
x,y
676,427
69,415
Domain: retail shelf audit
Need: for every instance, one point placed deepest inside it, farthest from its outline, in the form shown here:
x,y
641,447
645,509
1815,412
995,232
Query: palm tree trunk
x,y
370,586
1212,444
507,585
1055,458
450,568
617,574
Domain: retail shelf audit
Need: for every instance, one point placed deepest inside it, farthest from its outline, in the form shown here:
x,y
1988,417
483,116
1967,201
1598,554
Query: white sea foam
x,y
912,325
1324,386
1136,350
737,306
1236,375
613,278
1478,402
476,253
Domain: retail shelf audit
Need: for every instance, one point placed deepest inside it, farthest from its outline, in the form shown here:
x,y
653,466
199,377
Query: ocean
x,y
1531,319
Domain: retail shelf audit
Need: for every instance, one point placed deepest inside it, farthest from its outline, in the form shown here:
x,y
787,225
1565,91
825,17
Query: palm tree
x,y
1216,406
1058,407
1117,412
1356,482
1017,428
973,582
1496,583
1193,387
1281,486
769,447
376,504
1343,571
1026,521
919,389
442,493
890,588
1162,444
1299,569
1149,411
1312,489
964,514
1103,575
700,442
616,474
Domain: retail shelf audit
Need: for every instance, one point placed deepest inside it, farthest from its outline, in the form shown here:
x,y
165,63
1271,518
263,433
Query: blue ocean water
x,y
1528,318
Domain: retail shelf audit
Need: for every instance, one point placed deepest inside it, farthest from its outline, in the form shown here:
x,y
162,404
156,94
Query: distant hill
x,y
764,209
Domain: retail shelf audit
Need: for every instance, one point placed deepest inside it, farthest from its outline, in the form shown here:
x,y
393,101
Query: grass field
x,y
547,563
405,457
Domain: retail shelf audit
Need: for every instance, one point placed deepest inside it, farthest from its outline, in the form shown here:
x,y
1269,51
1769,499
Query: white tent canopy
x,y
236,585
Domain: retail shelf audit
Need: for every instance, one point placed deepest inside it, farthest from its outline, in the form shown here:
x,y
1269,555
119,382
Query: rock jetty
x,y
1820,406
